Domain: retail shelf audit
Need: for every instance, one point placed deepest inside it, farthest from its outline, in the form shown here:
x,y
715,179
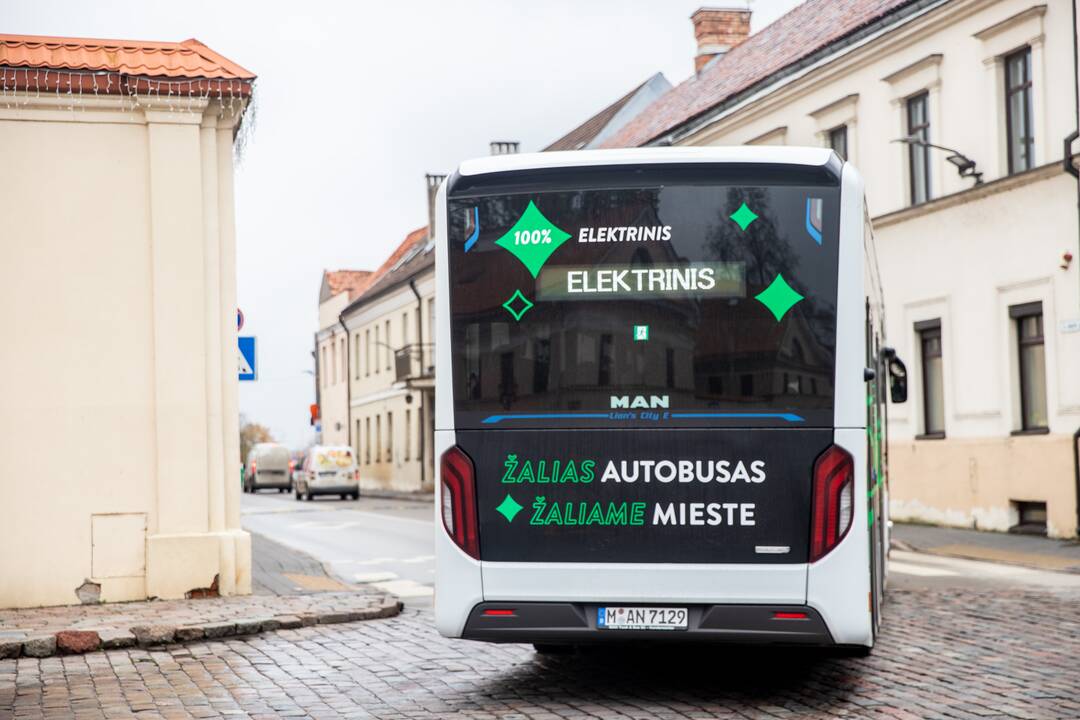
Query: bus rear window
x,y
671,306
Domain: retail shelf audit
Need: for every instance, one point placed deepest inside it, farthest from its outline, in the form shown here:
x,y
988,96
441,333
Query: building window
x,y
541,364
838,141
367,352
358,440
377,346
408,436
431,319
932,378
404,329
322,364
389,437
1031,352
387,348
918,128
344,360
1021,141
378,438
604,360
367,441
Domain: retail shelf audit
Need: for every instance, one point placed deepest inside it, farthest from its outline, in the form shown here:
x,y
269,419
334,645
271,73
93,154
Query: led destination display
x,y
705,279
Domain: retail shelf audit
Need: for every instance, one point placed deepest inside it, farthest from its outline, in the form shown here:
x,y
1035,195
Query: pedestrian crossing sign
x,y
246,356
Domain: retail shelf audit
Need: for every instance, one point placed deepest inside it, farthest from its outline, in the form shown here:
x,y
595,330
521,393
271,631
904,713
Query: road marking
x,y
374,577
405,588
904,568
316,582
387,561
324,525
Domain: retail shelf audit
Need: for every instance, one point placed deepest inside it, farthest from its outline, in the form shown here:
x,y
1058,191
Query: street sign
x,y
239,319
247,367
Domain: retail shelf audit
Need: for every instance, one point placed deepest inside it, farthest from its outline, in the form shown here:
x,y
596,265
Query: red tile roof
x,y
804,30
352,281
185,60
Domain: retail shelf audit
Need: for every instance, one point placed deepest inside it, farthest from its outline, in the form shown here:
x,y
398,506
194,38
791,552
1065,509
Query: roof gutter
x,y
795,70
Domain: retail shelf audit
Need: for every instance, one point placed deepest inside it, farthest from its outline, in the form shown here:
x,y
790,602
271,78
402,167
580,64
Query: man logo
x,y
639,401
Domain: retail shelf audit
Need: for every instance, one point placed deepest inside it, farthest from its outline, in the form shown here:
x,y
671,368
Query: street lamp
x,y
964,165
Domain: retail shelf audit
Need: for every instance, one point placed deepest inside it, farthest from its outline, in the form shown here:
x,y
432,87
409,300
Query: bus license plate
x,y
641,618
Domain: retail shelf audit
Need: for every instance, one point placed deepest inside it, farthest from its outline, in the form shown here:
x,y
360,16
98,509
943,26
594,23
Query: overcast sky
x,y
356,101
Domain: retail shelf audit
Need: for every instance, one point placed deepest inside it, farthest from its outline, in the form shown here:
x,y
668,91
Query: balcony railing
x,y
414,362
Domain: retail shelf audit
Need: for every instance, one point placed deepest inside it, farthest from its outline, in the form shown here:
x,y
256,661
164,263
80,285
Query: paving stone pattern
x,y
963,655
41,632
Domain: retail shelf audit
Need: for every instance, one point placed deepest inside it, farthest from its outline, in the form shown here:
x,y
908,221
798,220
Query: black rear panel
x,y
566,496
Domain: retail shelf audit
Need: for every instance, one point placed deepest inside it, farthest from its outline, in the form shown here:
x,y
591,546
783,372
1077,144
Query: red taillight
x,y
496,612
253,466
356,475
789,616
459,501
834,492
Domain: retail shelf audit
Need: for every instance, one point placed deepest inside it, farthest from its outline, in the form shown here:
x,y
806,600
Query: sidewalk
x,y
290,590
1027,550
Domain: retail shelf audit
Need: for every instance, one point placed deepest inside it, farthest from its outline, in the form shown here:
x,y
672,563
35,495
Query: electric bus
x,y
660,399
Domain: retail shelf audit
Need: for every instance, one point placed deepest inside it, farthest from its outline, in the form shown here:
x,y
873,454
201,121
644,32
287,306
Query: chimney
x,y
504,147
433,182
717,30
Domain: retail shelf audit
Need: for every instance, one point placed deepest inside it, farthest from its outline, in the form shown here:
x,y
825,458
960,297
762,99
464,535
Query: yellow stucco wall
x,y
118,362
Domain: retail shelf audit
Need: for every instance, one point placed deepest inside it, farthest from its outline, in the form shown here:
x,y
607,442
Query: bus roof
x,y
771,155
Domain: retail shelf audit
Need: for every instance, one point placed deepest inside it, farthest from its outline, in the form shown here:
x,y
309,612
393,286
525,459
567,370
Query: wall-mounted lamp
x,y
964,165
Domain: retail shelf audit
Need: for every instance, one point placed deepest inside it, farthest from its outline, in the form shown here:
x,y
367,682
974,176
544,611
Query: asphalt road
x,y
388,543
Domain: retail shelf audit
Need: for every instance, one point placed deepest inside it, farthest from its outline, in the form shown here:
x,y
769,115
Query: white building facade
x,y
391,371
981,281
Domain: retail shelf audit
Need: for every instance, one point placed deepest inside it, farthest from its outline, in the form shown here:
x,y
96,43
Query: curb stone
x,y
79,640
39,646
113,639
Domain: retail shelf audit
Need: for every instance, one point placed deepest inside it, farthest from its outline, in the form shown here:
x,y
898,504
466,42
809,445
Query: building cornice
x,y
978,192
1032,12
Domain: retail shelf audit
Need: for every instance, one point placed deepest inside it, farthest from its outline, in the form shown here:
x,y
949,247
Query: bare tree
x,y
250,434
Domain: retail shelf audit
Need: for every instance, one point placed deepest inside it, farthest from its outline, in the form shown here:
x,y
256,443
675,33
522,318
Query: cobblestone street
x,y
944,654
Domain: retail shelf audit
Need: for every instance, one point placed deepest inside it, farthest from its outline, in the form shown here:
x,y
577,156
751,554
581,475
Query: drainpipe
x,y
423,405
1076,472
348,382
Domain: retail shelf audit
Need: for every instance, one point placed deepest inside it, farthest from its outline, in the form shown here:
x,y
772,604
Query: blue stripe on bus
x,y
476,229
493,419
790,417
809,223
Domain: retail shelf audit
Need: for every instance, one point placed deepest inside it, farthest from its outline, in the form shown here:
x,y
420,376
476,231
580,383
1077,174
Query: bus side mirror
x,y
897,380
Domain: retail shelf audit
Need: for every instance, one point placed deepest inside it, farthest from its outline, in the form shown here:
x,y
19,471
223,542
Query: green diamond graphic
x,y
779,297
532,239
509,508
744,216
518,305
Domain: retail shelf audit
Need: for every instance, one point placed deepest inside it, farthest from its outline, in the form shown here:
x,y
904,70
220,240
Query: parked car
x,y
296,466
328,470
267,467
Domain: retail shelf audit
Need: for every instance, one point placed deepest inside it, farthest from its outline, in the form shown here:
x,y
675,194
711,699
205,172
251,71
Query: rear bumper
x,y
261,482
564,622
333,489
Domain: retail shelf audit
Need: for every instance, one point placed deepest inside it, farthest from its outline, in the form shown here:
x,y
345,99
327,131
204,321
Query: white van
x,y
328,470
267,467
